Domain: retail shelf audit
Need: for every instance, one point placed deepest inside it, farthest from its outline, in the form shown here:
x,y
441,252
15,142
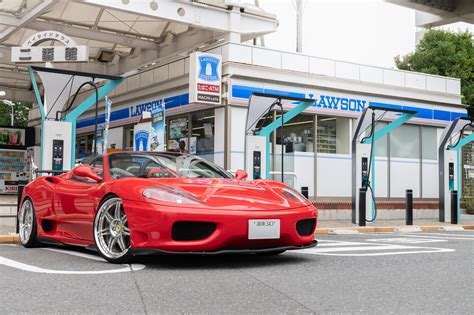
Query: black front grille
x,y
192,231
305,227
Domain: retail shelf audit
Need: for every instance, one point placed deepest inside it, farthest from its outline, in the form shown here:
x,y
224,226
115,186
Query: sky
x,y
370,32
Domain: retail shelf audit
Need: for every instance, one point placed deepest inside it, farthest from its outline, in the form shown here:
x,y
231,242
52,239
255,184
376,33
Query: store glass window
x,y
405,142
333,135
178,135
298,134
380,146
202,135
84,146
429,138
128,138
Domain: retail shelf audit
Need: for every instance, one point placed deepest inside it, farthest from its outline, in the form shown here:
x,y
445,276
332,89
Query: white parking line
x,y
440,237
405,240
370,248
470,235
83,255
30,268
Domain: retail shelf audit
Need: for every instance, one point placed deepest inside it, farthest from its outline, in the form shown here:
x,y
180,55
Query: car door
x,y
75,205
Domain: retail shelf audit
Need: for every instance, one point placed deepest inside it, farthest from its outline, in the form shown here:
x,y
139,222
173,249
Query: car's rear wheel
x,y
27,224
111,232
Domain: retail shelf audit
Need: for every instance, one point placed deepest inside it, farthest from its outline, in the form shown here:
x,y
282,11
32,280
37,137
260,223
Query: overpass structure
x,y
123,37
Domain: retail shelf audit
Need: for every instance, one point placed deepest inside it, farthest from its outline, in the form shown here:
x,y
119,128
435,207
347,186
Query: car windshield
x,y
162,165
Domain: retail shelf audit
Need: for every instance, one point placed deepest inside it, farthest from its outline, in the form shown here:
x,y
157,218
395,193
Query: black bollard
x,y
20,193
362,204
409,207
305,191
454,207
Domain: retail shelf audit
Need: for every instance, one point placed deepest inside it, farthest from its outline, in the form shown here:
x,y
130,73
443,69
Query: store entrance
x,y
192,133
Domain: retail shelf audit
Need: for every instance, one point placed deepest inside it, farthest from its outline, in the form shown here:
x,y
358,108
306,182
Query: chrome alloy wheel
x,y
111,231
25,221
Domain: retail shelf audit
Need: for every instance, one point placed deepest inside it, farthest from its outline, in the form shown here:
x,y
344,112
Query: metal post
x,y
362,205
299,26
20,194
454,207
409,207
13,113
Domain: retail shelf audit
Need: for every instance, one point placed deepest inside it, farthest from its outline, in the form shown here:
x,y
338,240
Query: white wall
x,y
304,169
115,136
381,177
219,136
334,175
237,137
430,179
404,174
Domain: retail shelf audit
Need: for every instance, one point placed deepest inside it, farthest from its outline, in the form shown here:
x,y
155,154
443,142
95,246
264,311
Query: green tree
x,y
20,115
448,54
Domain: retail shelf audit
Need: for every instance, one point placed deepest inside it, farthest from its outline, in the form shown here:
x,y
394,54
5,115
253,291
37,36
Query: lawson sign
x,y
324,100
339,103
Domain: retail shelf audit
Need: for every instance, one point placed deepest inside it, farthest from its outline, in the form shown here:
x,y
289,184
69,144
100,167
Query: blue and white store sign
x,y
343,104
141,136
205,78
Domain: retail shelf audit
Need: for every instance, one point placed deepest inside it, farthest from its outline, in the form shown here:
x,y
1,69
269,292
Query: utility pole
x,y
299,26
262,38
12,113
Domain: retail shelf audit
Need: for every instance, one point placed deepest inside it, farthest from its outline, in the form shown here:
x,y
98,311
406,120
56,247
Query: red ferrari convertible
x,y
131,203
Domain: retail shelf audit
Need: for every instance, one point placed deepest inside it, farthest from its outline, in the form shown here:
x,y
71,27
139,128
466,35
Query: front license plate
x,y
264,229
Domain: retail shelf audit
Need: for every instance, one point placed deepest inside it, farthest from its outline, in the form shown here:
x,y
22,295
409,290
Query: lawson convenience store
x,y
317,142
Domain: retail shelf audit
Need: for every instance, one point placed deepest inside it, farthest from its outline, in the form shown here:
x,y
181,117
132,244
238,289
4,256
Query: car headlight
x,y
170,194
292,195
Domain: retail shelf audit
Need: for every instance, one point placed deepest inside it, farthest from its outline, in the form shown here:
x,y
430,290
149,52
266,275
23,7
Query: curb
x,y
15,239
10,239
386,229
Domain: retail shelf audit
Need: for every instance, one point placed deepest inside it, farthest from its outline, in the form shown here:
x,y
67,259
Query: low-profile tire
x,y
27,225
274,253
111,232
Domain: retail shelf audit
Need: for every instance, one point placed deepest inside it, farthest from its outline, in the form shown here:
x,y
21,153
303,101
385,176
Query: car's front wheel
x,y
111,232
27,224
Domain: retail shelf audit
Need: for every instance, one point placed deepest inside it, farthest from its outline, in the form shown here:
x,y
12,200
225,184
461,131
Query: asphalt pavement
x,y
367,273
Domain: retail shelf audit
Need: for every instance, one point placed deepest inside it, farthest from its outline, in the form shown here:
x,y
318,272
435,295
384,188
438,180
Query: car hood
x,y
230,194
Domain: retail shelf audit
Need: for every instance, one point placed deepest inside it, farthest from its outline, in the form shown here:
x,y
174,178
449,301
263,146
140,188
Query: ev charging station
x,y
451,142
363,159
258,132
58,124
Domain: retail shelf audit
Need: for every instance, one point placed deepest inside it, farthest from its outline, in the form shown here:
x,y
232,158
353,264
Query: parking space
x,y
416,272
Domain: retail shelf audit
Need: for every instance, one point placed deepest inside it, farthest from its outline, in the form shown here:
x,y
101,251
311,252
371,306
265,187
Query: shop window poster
x,y
12,136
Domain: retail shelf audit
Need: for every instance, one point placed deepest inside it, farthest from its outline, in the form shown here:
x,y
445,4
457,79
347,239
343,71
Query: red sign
x,y
208,88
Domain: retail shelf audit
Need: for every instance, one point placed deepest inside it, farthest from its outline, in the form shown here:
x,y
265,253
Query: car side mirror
x,y
86,171
241,174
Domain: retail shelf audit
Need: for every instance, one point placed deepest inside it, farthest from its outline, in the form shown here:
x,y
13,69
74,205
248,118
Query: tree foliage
x,y
448,54
20,113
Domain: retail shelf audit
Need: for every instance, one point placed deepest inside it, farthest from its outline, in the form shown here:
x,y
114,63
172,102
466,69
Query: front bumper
x,y
151,251
151,229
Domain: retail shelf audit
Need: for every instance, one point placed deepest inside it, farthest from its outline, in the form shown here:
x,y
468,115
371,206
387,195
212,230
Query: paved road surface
x,y
370,273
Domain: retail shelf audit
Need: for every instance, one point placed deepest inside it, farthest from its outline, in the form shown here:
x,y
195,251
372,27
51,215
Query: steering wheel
x,y
161,172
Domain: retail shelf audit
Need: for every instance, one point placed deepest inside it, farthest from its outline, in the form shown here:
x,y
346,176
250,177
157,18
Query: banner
x,y
157,136
108,106
100,141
